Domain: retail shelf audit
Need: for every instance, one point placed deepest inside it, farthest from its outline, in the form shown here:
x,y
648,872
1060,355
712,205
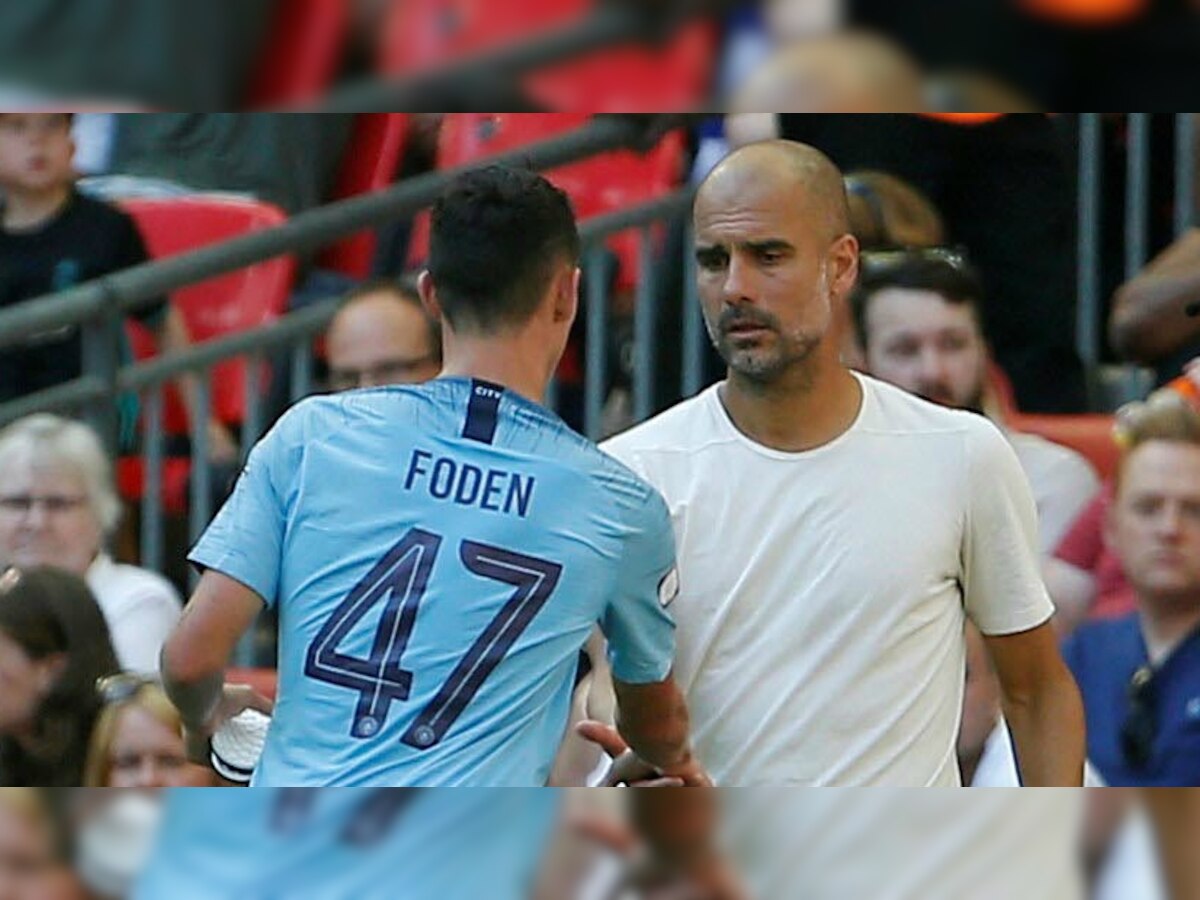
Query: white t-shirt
x,y
141,608
1062,480
895,844
822,598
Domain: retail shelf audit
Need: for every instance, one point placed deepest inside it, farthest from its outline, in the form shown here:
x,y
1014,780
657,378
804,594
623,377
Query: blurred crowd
x,y
967,221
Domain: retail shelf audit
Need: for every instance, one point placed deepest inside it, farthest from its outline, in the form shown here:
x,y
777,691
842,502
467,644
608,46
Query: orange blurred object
x,y
1090,13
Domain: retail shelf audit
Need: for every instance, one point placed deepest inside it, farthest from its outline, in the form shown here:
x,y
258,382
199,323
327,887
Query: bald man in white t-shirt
x,y
833,531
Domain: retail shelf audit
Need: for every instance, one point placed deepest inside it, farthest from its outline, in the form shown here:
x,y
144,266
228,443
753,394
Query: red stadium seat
x,y
422,34
1091,435
370,163
596,185
303,52
238,301
676,77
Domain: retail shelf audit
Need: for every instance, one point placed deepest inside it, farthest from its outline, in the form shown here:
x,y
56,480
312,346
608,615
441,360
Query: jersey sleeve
x,y
245,540
1003,590
637,623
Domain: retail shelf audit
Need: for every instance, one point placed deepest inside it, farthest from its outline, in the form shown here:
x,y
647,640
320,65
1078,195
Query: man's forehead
x,y
1162,467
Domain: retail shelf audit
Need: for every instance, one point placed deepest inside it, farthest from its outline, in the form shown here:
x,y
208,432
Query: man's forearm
x,y
196,700
677,825
1176,816
663,743
1048,730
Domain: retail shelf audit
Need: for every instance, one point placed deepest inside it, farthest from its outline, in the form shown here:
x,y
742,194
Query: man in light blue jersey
x,y
349,844
438,554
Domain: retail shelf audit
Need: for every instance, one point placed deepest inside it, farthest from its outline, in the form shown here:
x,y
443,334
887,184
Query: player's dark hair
x,y
498,234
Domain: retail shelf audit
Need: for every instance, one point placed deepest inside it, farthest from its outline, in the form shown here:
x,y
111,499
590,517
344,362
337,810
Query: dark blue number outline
x,y
403,575
535,580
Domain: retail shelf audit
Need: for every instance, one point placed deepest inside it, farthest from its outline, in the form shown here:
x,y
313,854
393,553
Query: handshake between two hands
x,y
670,853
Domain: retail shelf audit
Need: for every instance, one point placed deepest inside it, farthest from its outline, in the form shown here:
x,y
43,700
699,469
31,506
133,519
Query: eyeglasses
x,y
875,261
392,371
1141,723
53,504
122,687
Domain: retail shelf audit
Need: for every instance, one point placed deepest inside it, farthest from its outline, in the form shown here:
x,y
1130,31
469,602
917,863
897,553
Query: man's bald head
x,y
785,169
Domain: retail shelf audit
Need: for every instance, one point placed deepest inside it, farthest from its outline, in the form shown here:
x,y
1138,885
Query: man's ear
x,y
428,294
566,294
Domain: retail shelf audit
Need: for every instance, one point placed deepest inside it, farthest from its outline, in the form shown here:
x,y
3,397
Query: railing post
x,y
694,335
596,370
1185,171
152,476
645,327
102,340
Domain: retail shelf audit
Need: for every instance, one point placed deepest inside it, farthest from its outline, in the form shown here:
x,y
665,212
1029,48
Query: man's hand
x,y
235,699
629,769
707,878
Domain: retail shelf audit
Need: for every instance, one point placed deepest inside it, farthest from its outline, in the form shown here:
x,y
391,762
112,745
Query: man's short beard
x,y
766,366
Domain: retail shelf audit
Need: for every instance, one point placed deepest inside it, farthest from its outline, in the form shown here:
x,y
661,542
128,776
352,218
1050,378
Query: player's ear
x,y
566,294
428,294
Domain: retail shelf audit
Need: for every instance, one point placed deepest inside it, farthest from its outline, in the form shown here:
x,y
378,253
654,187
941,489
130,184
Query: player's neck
x,y
796,413
26,211
502,363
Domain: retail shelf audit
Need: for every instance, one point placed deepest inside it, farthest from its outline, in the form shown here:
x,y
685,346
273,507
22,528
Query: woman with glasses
x,y
57,507
138,739
53,646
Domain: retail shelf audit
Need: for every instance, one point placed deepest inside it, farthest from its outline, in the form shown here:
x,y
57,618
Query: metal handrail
x,y
283,332
138,287
455,84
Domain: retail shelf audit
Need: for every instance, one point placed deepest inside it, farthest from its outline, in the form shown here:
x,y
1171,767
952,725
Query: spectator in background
x,y
918,318
52,238
1148,324
54,645
1140,674
138,739
289,159
382,335
1085,576
31,862
886,213
57,506
170,55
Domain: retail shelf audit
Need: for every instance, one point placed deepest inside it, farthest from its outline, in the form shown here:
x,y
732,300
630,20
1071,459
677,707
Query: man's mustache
x,y
733,318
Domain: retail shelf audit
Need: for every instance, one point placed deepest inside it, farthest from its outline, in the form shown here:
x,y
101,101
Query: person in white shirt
x,y
833,531
919,320
57,506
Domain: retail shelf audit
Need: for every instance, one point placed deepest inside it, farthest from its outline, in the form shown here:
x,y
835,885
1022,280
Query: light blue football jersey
x,y
438,555
349,844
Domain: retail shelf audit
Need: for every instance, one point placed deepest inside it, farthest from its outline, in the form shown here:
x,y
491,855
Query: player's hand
x,y
707,879
235,699
629,769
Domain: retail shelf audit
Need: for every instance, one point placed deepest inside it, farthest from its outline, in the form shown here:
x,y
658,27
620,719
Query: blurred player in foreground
x,y
439,553
420,844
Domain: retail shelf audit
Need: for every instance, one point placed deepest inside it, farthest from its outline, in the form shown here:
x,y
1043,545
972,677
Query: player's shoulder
x,y
680,429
